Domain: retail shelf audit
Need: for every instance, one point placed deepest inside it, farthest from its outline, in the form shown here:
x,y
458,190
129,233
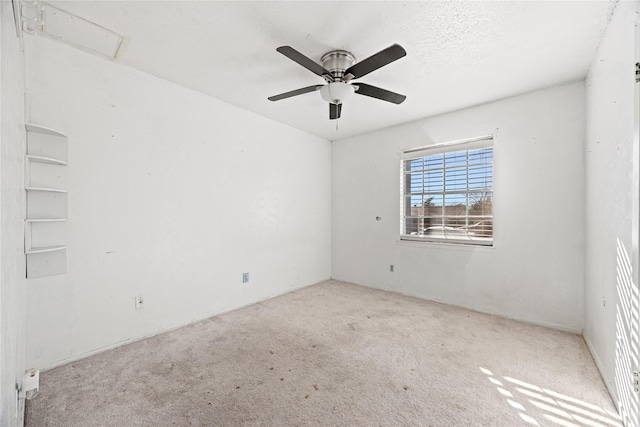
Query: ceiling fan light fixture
x,y
337,92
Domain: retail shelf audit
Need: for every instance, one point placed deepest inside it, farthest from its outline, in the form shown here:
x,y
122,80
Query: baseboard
x,y
89,353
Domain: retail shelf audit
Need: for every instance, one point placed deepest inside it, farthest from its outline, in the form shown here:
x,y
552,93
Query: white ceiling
x,y
459,54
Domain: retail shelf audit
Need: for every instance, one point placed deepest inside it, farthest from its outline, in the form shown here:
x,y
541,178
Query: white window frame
x,y
422,152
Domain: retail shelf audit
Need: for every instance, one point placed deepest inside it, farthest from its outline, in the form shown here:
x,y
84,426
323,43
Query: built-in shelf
x,y
46,210
48,160
44,130
45,189
44,249
45,219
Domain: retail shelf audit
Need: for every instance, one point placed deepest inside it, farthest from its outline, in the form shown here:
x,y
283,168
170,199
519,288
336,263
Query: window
x,y
447,192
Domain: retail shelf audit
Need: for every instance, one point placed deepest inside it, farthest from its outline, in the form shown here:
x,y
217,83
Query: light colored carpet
x,y
334,354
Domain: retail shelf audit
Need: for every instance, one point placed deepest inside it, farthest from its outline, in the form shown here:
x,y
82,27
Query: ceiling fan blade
x,y
294,92
372,63
334,111
376,92
307,63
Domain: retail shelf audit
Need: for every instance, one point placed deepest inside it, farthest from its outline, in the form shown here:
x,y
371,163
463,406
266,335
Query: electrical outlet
x,y
139,302
245,277
391,268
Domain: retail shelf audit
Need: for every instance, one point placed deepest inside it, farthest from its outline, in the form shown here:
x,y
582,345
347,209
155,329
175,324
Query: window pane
x,y
458,158
456,199
484,155
411,226
416,183
413,164
455,179
482,227
413,200
434,162
480,177
434,203
481,204
433,181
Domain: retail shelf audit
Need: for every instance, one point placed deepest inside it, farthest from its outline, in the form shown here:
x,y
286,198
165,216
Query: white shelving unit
x,y
45,224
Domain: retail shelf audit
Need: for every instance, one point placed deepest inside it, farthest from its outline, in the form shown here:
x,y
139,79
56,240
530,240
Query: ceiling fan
x,y
338,69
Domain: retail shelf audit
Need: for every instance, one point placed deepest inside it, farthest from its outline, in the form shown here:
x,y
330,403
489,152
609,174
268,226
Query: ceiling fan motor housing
x,y
336,62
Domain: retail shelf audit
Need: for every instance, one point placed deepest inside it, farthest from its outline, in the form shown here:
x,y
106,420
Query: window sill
x,y
457,245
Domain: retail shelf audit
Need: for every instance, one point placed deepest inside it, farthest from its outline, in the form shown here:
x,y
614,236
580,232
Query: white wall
x,y
534,272
12,259
172,194
611,154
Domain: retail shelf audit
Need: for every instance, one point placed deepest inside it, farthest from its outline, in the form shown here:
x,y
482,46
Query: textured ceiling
x,y
459,54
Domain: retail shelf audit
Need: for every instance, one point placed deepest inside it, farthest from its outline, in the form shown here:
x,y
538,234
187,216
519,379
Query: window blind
x,y
447,192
